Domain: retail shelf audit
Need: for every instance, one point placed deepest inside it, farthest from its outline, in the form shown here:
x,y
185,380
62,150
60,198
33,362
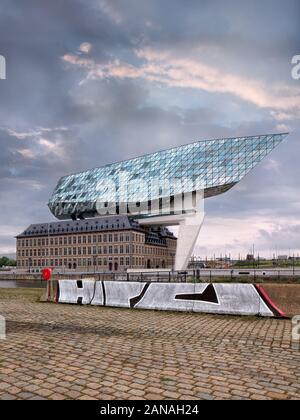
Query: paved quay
x,y
55,351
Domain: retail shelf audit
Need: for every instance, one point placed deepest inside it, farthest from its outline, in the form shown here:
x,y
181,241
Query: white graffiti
x,y
230,299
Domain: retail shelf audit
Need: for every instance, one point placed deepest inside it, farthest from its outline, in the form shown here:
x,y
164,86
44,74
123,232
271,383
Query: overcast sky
x,y
97,81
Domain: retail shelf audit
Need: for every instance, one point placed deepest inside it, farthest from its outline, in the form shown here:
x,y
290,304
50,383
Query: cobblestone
x,y
77,352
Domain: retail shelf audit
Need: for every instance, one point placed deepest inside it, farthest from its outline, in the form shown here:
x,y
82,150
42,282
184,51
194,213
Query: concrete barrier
x,y
219,298
232,299
123,294
77,291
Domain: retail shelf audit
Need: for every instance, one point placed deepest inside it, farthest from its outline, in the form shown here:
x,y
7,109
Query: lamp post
x,y
293,265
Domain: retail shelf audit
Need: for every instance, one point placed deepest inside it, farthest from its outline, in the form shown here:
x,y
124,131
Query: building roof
x,y
102,224
158,237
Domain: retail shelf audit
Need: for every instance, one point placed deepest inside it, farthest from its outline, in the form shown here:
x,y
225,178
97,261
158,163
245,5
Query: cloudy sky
x,y
93,82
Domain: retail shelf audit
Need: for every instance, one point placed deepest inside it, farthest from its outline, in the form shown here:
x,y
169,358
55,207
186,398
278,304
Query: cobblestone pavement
x,y
55,351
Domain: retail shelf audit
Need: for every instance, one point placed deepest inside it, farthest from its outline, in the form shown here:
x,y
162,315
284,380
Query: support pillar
x,y
189,229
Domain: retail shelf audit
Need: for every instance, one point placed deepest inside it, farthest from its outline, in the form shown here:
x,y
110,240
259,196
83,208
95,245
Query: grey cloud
x,y
284,237
109,120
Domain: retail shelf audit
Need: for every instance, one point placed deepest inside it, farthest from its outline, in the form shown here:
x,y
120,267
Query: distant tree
x,y
7,262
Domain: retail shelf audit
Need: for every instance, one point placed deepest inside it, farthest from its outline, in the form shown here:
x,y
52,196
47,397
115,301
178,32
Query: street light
x,y
293,265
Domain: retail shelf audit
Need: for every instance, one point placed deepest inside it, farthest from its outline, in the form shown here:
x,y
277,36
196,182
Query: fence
x,y
199,275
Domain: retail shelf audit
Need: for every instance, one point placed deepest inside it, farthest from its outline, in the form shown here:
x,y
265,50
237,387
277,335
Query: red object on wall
x,y
46,274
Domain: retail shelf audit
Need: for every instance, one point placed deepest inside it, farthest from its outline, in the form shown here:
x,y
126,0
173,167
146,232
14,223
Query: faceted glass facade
x,y
212,165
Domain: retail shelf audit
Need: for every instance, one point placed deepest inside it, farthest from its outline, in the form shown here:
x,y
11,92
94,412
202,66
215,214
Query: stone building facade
x,y
101,244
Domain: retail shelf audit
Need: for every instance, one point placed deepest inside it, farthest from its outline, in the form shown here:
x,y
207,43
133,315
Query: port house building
x,y
99,244
137,234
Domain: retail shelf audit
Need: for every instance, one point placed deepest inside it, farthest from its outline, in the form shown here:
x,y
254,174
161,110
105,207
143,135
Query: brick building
x,y
100,244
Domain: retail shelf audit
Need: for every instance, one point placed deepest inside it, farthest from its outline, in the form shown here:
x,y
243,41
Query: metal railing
x,y
199,275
